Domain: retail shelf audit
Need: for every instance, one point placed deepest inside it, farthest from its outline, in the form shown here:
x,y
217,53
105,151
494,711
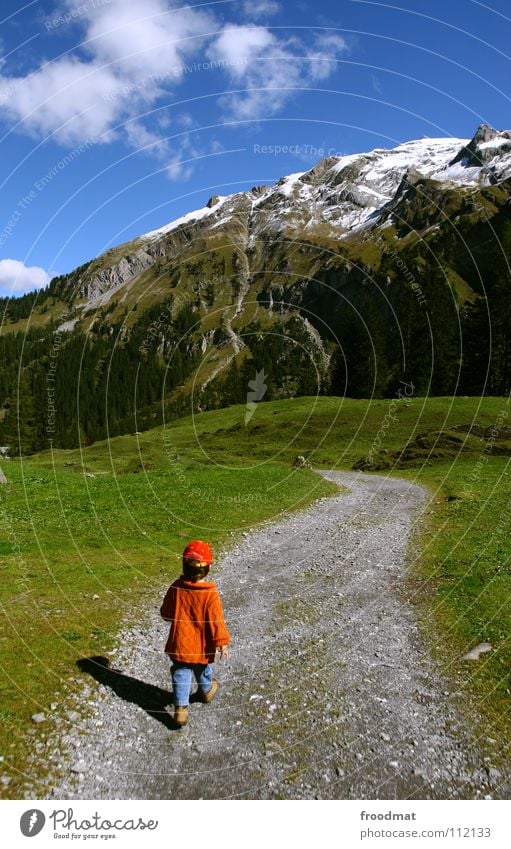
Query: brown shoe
x,y
210,695
181,716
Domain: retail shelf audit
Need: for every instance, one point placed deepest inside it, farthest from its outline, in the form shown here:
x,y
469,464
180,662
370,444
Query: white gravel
x,y
329,692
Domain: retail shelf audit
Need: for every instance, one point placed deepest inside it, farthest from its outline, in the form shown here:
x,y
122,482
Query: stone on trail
x,y
38,717
493,774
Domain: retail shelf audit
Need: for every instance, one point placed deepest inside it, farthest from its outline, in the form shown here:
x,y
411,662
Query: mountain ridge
x,y
439,167
362,184
362,272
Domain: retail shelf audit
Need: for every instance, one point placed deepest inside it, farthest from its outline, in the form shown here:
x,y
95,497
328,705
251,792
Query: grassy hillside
x,y
330,432
90,536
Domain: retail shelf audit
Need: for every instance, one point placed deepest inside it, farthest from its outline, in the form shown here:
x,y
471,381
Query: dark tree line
x,y
65,389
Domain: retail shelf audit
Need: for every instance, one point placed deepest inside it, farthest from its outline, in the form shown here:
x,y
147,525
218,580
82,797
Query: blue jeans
x,y
182,680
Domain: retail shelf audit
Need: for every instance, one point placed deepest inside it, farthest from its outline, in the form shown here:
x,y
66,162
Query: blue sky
x,y
117,116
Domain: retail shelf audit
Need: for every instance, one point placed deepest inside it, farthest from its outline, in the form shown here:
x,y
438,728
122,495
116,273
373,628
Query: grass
x,y
90,537
330,432
462,581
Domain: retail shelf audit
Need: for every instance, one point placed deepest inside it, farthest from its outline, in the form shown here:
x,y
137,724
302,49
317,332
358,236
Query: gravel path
x,y
329,691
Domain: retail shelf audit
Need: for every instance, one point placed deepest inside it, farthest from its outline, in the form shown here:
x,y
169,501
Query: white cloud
x,y
17,278
134,52
186,121
178,156
140,138
68,97
322,57
238,45
257,9
132,48
183,156
145,37
271,70
179,167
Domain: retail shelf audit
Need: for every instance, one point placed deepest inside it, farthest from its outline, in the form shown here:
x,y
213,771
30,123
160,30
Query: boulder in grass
x,y
3,479
301,462
477,651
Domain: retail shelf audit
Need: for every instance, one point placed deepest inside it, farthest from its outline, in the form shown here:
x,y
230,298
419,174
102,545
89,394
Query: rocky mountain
x,y
364,272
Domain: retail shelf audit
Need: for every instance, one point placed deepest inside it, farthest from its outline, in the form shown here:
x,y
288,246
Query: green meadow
x,y
461,580
90,537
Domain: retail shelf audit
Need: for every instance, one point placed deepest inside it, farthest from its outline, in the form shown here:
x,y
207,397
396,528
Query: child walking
x,y
193,606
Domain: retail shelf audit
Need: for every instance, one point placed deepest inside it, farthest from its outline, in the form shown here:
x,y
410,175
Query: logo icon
x,y
258,390
32,822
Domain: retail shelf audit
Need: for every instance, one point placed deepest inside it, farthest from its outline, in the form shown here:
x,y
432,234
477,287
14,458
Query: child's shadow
x,y
152,699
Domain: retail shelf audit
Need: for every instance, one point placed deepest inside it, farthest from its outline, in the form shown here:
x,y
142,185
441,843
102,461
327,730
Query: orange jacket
x,y
197,617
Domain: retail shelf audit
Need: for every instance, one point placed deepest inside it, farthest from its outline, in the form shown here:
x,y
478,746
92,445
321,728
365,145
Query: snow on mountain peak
x,y
188,218
347,192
